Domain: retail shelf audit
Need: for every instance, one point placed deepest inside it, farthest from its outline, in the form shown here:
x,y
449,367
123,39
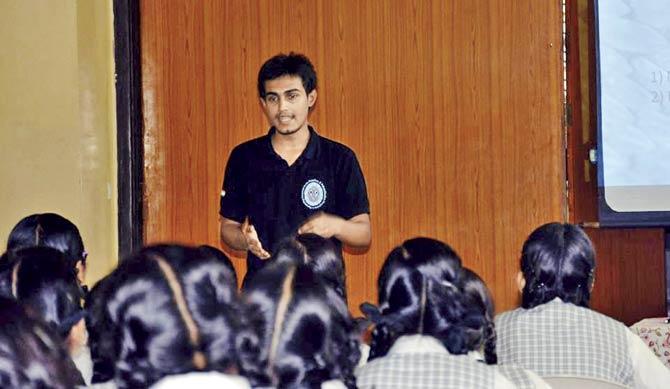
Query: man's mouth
x,y
284,119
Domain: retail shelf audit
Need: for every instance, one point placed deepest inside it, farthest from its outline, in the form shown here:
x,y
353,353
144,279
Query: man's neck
x,y
289,147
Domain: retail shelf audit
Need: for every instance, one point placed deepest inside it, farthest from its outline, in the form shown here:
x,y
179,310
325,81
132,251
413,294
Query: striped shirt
x,y
559,339
421,362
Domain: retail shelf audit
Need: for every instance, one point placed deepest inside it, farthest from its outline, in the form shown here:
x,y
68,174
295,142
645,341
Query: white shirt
x,y
206,380
82,360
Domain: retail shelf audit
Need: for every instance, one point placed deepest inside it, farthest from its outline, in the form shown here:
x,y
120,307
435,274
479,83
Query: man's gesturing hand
x,y
253,243
322,224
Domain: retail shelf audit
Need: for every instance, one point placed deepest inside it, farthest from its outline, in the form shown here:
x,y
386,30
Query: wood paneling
x,y
453,108
630,273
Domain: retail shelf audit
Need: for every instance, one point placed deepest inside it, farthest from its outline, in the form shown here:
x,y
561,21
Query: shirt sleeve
x,y
233,203
649,371
353,194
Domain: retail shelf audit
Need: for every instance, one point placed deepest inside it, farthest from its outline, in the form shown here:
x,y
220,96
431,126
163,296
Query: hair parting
x,y
199,359
282,307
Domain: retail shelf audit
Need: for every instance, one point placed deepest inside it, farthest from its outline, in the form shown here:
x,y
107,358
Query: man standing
x,y
291,180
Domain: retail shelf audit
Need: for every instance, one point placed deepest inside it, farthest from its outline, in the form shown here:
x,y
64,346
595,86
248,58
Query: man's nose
x,y
282,103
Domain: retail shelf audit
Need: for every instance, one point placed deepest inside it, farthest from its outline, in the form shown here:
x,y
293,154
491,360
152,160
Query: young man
x,y
291,180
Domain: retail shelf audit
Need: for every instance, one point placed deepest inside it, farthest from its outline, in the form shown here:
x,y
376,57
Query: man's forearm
x,y
355,232
231,235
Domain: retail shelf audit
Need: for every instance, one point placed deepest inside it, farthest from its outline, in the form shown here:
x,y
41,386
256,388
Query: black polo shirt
x,y
279,198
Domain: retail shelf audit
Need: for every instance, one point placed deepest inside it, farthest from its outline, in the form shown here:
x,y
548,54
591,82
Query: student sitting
x,y
42,279
424,324
297,331
32,355
50,230
166,311
554,333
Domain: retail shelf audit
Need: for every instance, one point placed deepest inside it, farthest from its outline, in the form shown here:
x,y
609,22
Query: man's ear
x,y
311,98
520,281
262,101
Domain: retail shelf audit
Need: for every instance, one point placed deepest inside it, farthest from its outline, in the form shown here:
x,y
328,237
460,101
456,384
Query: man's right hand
x,y
253,243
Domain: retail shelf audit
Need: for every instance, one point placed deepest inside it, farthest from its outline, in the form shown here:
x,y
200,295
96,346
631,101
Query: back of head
x,y
419,293
322,255
31,355
297,331
166,310
293,64
50,230
480,334
557,260
213,252
41,278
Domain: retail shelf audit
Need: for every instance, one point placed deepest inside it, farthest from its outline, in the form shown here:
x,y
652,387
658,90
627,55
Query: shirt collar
x,y
313,145
417,344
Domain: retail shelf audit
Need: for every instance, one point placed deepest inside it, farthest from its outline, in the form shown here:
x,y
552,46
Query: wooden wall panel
x,y
453,108
630,273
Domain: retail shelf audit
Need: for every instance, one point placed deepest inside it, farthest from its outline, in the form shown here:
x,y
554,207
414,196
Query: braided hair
x,y
420,293
297,331
481,333
167,310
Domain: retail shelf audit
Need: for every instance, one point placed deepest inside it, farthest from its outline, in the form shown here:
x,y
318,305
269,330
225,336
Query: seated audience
x,y
50,230
166,311
297,331
42,279
31,353
482,339
425,326
554,333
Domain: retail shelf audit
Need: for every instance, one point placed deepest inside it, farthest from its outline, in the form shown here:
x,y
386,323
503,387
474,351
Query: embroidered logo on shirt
x,y
313,194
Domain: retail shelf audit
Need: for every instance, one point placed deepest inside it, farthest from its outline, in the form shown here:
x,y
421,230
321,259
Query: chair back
x,y
581,383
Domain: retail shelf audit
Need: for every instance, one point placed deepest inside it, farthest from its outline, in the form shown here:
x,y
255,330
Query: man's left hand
x,y
322,224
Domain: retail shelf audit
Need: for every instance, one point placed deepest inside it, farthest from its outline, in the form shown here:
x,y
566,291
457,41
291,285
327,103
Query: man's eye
x,y
292,96
271,99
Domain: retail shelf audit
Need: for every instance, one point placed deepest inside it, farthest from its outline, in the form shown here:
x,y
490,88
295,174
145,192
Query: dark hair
x,y
31,355
165,310
479,296
213,252
322,255
41,278
50,230
557,260
419,293
297,331
293,64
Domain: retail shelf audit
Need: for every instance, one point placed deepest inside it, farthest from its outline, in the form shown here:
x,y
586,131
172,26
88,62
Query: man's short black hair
x,y
293,64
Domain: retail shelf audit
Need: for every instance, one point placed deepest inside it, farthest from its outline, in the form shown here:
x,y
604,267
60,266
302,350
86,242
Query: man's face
x,y
286,104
